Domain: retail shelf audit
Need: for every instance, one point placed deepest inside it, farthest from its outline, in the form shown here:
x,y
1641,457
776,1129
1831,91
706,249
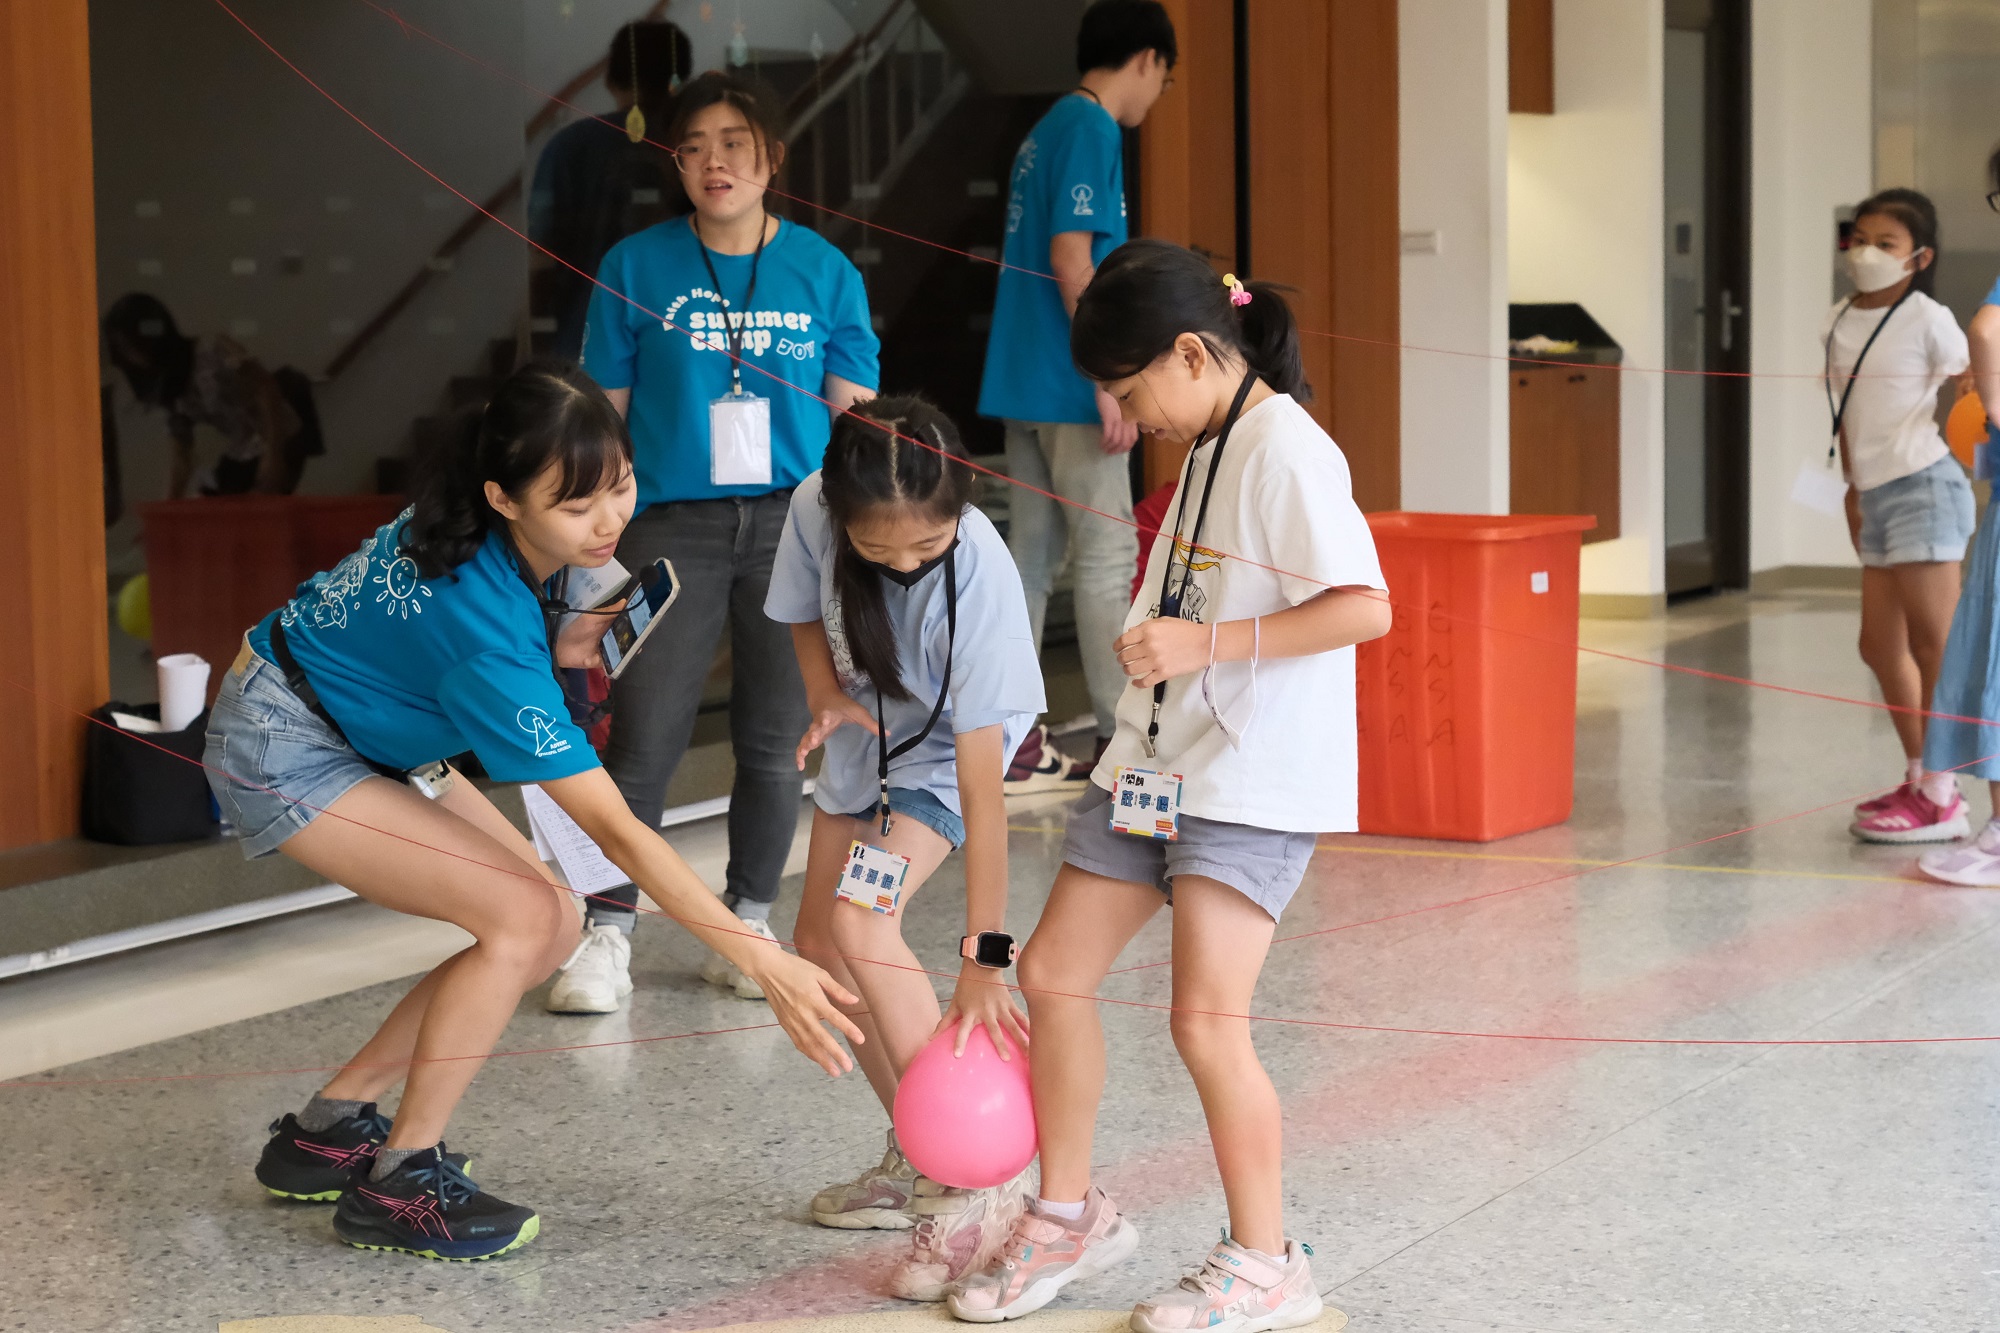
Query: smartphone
x,y
648,594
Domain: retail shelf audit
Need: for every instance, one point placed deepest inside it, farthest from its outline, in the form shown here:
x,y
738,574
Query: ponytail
x,y
874,461
546,414
1148,292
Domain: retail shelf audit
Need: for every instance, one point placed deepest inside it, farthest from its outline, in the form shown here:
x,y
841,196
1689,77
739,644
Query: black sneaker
x,y
315,1167
429,1207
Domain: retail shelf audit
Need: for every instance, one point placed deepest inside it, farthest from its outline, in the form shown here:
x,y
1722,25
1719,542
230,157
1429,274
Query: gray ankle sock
x,y
388,1159
747,910
323,1113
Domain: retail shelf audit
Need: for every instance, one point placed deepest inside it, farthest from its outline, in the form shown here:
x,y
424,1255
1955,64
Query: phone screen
x,y
655,589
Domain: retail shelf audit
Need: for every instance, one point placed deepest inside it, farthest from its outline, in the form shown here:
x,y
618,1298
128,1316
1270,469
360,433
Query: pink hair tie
x,y
1238,293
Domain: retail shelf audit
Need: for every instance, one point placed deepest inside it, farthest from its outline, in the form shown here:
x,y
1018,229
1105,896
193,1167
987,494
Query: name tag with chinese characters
x,y
873,878
1146,804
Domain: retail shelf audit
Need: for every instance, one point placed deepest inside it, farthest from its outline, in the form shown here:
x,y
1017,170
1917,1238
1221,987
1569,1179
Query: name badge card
x,y
739,440
873,878
1146,804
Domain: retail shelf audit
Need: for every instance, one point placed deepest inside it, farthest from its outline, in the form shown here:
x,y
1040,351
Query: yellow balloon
x,y
135,608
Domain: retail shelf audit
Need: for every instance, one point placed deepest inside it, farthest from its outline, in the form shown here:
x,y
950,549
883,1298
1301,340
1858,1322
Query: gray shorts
x,y
1264,865
1924,517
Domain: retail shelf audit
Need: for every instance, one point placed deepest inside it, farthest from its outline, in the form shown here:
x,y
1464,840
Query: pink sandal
x,y
1907,815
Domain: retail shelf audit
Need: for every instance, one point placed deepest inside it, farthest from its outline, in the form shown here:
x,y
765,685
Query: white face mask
x,y
1872,269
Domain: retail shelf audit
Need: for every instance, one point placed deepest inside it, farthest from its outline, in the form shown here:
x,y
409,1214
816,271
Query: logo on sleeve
x,y
1082,195
542,727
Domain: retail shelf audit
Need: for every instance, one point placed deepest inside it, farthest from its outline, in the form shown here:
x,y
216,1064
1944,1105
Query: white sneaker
x,y
597,976
719,971
1975,865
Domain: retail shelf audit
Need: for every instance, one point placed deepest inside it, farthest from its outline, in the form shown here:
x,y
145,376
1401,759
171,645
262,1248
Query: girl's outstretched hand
x,y
802,998
1162,648
982,1000
829,716
581,642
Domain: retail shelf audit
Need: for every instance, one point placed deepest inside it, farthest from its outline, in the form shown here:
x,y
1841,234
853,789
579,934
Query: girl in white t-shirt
x,y
1241,717
1889,349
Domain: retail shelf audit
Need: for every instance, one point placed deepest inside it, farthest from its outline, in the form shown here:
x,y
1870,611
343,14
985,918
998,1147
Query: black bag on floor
x,y
139,787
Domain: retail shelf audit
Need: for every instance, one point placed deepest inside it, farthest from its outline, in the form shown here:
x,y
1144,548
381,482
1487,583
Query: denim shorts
x,y
926,809
283,765
1924,517
1264,865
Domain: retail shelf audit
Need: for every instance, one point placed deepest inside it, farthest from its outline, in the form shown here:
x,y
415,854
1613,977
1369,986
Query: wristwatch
x,y
989,948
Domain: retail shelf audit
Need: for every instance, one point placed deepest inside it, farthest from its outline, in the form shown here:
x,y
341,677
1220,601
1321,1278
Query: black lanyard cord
x,y
882,750
735,335
553,609
1840,410
1171,603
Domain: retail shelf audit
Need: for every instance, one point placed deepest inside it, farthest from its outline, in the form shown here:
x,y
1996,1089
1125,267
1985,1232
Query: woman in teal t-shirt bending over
x,y
433,639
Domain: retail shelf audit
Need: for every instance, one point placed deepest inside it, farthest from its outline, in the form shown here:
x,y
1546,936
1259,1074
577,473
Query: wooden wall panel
x,y
1531,56
1325,214
1187,150
1365,233
52,599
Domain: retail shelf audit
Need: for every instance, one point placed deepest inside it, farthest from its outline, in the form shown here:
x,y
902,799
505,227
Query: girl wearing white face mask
x,y
1889,348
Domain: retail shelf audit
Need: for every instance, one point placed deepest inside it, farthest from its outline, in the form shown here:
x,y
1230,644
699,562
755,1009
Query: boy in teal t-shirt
x,y
1065,212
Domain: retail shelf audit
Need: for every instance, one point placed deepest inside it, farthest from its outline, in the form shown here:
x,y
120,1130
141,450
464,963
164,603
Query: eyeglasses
x,y
735,155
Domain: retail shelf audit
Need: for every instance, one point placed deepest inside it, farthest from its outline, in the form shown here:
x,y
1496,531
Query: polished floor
x,y
1448,1183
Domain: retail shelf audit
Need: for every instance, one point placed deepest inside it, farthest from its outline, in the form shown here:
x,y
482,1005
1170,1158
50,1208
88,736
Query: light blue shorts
x,y
926,809
1924,517
273,765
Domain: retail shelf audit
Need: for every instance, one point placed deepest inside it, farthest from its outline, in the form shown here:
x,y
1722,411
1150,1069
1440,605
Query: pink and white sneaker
x,y
1236,1290
1884,801
1975,865
1911,816
958,1232
1044,1255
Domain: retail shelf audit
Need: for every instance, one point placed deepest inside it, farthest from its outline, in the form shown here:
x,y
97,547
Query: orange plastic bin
x,y
1467,706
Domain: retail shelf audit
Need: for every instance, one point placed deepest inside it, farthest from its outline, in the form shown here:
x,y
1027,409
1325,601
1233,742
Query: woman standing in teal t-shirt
x,y
727,338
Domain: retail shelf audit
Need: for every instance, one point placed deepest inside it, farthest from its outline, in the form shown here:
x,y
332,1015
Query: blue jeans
x,y
1067,459
925,808
722,550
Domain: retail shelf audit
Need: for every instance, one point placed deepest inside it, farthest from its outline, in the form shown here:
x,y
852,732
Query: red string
x,y
673,151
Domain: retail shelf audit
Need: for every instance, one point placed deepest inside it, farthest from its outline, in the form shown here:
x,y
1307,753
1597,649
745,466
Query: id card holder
x,y
873,878
1146,804
433,780
739,440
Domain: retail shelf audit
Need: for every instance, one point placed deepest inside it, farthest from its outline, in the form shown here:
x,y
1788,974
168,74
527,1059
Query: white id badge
x,y
873,878
1820,489
1146,804
739,440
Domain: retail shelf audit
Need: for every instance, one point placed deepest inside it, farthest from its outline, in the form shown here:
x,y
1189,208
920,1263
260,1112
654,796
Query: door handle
x,y
1730,310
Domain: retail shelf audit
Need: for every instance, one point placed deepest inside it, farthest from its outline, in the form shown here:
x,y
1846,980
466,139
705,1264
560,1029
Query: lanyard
x,y
729,315
882,750
1840,411
1170,602
553,609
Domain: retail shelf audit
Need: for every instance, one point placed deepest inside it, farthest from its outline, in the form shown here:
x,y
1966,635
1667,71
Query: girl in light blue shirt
x,y
912,636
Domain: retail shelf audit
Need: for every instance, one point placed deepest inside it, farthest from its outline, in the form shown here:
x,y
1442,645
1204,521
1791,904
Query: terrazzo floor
x,y
1448,1183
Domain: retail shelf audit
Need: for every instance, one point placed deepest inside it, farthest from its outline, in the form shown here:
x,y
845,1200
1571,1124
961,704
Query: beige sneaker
x,y
1042,1256
1236,1290
958,1232
719,971
876,1200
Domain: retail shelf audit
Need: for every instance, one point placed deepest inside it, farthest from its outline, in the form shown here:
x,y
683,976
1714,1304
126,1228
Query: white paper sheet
x,y
1819,488
558,839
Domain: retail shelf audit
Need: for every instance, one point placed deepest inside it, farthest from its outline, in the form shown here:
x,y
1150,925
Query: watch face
x,y
993,949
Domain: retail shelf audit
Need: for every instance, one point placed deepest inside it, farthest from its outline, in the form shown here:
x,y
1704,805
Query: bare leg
x,y
1885,647
1088,921
448,861
1220,939
899,994
1928,594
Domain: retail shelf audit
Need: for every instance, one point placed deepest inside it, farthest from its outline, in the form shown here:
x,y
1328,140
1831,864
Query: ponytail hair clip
x,y
1238,293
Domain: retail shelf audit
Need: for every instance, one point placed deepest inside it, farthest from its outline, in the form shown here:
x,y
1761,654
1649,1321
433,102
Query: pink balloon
x,y
966,1121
